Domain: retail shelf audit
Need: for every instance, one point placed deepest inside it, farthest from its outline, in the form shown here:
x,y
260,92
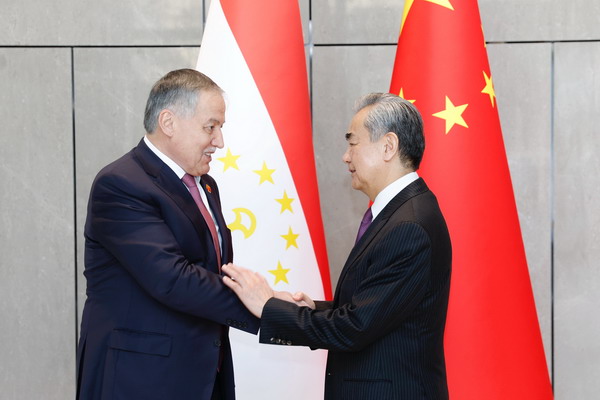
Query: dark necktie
x,y
190,182
364,224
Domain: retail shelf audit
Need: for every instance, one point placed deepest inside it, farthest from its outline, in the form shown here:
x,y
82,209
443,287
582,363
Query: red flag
x,y
267,178
493,343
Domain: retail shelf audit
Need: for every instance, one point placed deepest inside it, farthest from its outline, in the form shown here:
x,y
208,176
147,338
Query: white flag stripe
x,y
262,371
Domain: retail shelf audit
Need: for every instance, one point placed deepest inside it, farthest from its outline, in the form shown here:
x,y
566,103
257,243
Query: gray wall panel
x,y
522,79
356,21
97,23
111,89
339,78
577,220
37,332
540,20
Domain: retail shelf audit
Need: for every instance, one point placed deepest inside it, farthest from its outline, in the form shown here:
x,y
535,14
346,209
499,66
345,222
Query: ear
x,y
390,146
166,122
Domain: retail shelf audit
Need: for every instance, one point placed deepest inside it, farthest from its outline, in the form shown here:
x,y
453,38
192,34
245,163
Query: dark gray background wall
x,y
74,76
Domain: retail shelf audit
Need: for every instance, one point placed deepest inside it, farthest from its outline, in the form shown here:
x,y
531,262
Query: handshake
x,y
254,291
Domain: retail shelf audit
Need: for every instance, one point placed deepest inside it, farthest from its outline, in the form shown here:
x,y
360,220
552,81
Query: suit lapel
x,y
415,188
170,184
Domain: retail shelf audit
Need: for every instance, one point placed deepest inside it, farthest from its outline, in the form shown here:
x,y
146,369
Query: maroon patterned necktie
x,y
190,182
364,224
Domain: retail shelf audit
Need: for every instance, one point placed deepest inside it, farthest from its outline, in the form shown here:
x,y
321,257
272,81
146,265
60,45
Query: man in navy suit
x,y
384,328
155,322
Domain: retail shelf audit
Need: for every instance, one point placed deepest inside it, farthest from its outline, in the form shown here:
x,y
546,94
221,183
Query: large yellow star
x,y
452,114
229,161
408,4
265,174
443,3
286,203
402,95
280,273
489,87
290,239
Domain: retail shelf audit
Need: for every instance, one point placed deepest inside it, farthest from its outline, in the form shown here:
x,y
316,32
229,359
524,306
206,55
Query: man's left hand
x,y
251,287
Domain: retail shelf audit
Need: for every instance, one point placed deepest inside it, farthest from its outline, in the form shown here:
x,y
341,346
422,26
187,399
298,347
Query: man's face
x,y
196,138
363,157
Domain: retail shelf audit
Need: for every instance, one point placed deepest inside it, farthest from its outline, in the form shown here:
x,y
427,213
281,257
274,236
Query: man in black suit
x,y
155,322
384,328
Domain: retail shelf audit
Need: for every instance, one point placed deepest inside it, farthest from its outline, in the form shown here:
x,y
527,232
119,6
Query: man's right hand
x,y
301,299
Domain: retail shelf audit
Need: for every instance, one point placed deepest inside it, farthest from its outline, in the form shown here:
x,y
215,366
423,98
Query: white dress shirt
x,y
390,191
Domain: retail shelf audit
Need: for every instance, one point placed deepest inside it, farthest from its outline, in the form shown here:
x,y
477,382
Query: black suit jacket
x,y
156,307
385,327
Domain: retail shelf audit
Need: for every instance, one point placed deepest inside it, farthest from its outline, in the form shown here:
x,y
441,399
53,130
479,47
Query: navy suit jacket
x,y
157,311
385,327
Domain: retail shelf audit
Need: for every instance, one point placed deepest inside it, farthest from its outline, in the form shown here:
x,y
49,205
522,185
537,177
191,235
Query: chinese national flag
x,y
493,344
266,173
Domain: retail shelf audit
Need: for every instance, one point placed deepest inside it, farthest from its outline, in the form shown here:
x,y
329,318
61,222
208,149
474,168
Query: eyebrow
x,y
215,121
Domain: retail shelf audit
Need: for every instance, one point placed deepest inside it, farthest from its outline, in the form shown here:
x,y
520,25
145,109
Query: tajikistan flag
x,y
267,179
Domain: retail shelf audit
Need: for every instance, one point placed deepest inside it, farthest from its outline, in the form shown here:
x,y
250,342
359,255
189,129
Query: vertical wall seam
x,y
74,202
552,205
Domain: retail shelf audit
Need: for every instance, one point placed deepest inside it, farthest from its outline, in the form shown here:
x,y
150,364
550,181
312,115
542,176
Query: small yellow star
x,y
286,203
265,174
229,161
280,273
452,114
290,238
402,95
489,87
443,3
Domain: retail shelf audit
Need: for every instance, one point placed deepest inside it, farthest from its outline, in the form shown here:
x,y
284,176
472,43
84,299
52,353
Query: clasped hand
x,y
254,291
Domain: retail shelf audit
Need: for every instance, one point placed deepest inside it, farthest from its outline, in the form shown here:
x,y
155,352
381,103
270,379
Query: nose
x,y
218,140
346,156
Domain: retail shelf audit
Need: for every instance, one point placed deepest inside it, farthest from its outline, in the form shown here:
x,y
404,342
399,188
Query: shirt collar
x,y
390,191
172,164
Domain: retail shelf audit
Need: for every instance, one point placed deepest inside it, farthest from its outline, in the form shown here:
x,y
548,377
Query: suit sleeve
x,y
130,227
395,282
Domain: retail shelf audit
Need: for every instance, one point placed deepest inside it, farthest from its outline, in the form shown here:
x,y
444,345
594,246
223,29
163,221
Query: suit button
x,y
228,322
272,340
217,343
278,341
289,343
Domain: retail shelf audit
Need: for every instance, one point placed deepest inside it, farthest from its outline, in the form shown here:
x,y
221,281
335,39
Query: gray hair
x,y
178,91
390,113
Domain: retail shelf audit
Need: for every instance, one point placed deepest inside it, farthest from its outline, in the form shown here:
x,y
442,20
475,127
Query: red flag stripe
x,y
284,89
